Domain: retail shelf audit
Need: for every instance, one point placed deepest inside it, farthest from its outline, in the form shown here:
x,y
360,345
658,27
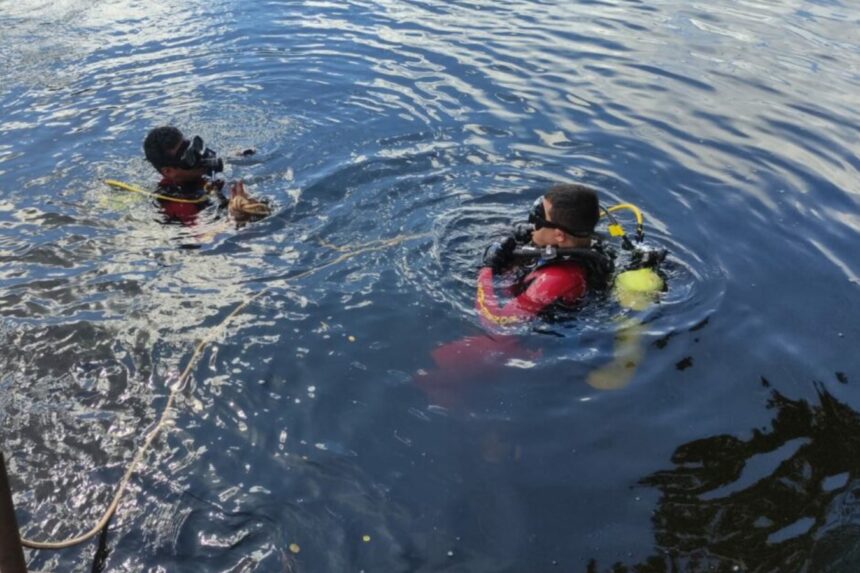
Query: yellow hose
x,y
615,228
630,207
126,187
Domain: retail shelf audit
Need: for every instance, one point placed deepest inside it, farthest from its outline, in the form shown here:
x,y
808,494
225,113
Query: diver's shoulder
x,y
172,189
562,270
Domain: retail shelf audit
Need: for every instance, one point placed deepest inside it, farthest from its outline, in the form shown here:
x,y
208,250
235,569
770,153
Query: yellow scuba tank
x,y
636,289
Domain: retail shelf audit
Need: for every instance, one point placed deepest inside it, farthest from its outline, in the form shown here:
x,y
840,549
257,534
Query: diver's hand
x,y
499,254
523,233
214,186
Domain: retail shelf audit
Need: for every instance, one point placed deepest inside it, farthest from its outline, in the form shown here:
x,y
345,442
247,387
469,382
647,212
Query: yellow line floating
x,y
126,187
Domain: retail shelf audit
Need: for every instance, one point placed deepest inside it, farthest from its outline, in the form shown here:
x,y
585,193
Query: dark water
x,y
735,444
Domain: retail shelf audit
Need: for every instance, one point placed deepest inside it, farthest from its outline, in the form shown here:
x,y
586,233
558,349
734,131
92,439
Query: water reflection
x,y
783,499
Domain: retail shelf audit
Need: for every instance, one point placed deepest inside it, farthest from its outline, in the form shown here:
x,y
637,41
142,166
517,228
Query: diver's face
x,y
543,236
180,174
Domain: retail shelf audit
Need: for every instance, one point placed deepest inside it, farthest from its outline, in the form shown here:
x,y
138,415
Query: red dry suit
x,y
472,358
185,213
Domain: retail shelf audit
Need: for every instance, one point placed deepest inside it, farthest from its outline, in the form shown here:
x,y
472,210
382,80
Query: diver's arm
x,y
516,310
553,283
549,285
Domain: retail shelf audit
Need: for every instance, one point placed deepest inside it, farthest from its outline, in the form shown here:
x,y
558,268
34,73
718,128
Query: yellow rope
x,y
488,314
372,244
127,187
180,383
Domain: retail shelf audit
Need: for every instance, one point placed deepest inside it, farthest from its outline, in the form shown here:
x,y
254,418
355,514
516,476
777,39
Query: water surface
x,y
732,446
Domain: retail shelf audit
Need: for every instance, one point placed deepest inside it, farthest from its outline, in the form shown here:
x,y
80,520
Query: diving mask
x,y
195,155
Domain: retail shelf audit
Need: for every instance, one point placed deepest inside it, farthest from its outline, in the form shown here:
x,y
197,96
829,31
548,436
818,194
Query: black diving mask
x,y
195,155
537,217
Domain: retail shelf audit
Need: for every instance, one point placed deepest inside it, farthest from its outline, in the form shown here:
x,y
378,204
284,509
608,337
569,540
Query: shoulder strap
x,y
599,264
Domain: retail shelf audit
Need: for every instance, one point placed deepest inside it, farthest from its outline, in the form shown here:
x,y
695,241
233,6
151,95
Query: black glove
x,y
499,254
523,233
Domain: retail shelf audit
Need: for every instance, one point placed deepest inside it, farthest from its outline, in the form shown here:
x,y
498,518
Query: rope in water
x,y
164,418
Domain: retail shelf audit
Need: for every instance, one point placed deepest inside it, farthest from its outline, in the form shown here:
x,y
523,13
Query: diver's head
x,y
565,216
177,158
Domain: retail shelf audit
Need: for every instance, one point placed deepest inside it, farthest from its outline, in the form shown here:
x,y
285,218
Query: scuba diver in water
x,y
188,182
559,249
551,263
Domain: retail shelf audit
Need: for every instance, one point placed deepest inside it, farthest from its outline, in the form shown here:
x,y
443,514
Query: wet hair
x,y
158,143
575,206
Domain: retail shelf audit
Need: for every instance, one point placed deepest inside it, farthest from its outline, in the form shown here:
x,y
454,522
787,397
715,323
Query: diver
x,y
188,184
552,263
563,258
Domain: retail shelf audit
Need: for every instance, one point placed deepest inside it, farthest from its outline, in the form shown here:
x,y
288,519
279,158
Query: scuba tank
x,y
639,285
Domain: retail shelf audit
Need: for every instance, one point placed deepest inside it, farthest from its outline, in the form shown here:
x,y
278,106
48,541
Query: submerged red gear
x,y
474,358
185,213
